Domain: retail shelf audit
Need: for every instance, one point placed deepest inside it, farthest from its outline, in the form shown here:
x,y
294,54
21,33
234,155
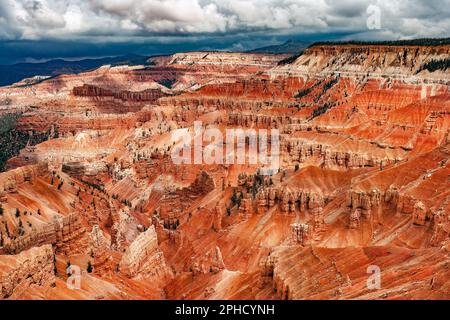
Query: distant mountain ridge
x,y
10,74
14,73
291,47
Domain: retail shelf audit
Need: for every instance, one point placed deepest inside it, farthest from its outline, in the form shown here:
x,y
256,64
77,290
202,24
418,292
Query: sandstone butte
x,y
363,180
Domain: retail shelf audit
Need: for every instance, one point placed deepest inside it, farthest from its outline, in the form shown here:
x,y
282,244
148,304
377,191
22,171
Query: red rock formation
x,y
343,273
301,234
144,259
20,274
363,179
99,247
211,262
149,95
397,62
11,179
60,233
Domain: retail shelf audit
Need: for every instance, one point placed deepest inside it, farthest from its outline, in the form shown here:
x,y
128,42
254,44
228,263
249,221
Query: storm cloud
x,y
213,24
97,20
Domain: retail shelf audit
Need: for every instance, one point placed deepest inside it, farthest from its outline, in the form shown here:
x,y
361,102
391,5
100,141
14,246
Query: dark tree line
x,y
304,92
435,65
326,87
414,42
290,59
321,110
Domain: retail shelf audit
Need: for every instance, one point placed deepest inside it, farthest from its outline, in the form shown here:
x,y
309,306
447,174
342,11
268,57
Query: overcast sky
x,y
42,29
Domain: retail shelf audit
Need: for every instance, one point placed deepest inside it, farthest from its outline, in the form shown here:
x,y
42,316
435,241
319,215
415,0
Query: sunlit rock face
x,y
89,180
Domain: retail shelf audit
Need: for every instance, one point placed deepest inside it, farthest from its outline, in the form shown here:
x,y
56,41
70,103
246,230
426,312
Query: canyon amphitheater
x,y
88,181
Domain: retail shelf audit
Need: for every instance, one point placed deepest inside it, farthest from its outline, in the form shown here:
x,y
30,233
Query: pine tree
x,y
89,268
55,271
238,202
234,198
435,65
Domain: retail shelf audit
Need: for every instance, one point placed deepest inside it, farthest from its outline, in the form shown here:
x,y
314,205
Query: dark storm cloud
x,y
222,24
76,19
348,8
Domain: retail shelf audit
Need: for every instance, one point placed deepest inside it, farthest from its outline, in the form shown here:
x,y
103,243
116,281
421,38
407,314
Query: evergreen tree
x,y
435,65
55,271
234,198
238,202
89,268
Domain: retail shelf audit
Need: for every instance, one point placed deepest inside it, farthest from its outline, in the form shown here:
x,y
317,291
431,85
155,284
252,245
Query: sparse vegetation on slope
x,y
290,59
435,65
12,140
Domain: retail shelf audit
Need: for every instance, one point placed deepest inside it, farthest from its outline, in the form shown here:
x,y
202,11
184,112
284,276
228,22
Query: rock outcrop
x,y
91,91
325,273
99,247
211,262
62,232
11,179
395,62
301,234
30,269
143,258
